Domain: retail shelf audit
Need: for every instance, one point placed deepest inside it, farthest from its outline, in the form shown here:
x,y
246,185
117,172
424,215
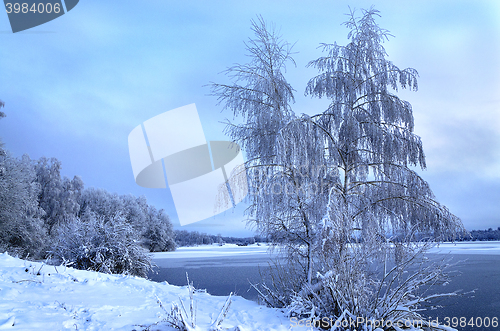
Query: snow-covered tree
x,y
158,231
371,145
112,233
370,139
153,226
21,229
135,211
349,198
42,212
101,202
285,198
58,196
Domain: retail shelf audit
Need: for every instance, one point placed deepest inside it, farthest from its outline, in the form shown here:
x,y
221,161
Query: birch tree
x,y
370,136
350,240
379,205
282,186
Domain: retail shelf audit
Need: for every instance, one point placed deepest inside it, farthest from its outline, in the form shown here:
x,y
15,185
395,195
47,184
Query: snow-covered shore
x,y
34,296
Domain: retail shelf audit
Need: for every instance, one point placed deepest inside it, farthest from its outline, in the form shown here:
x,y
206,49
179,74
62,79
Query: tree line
x,y
195,238
481,235
185,238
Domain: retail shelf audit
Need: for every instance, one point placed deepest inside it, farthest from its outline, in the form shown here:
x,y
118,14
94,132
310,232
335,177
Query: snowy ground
x,y
34,296
68,299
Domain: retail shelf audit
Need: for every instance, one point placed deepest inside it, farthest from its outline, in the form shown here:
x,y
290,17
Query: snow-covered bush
x,y
96,243
368,287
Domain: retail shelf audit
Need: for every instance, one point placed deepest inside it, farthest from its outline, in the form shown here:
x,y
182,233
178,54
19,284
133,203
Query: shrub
x,y
101,244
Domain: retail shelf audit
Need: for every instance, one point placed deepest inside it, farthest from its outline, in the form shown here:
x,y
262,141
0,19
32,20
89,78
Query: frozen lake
x,y
221,270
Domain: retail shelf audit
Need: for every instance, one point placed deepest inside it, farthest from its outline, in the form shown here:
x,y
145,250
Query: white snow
x,y
68,299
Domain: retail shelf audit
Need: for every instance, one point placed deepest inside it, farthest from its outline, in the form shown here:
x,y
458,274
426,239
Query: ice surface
x,y
468,247
213,251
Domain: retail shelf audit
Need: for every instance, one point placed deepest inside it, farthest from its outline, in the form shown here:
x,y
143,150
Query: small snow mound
x,y
9,323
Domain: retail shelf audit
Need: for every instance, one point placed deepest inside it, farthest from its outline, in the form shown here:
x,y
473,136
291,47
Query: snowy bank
x,y
34,296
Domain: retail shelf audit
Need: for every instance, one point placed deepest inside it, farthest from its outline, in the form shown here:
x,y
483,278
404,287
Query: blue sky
x,y
75,87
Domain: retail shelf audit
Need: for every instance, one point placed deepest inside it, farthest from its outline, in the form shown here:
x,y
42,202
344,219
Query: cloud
x,y
470,144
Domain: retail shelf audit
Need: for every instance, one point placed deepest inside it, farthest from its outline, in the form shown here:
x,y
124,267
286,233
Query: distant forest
x,y
195,238
483,235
